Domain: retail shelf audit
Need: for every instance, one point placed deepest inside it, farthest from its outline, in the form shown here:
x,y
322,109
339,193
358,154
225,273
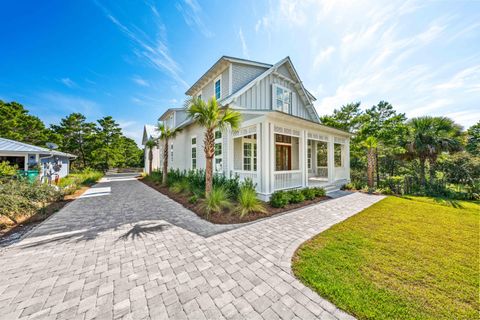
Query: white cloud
x,y
140,81
68,82
151,48
192,14
323,55
244,44
467,79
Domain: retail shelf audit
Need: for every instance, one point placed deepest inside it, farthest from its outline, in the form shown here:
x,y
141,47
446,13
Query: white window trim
x,y
252,157
219,78
196,152
274,98
215,157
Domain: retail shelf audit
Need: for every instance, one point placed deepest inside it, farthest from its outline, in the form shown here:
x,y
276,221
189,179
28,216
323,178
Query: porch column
x,y
347,159
259,157
271,161
25,166
331,159
230,152
264,169
303,156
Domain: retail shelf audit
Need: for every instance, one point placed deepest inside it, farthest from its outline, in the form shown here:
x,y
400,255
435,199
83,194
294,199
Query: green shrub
x,y
248,201
231,185
296,196
181,186
14,205
193,199
348,186
19,197
7,170
309,193
216,201
155,176
319,192
279,199
87,177
386,191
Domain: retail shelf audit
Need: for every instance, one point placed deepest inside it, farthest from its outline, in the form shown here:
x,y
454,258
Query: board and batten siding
x,y
207,90
259,96
244,74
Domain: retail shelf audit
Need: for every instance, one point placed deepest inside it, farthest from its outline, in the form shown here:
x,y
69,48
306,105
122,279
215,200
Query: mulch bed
x,y
227,216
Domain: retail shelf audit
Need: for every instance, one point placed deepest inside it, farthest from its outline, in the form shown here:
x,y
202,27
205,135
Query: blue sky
x,y
135,59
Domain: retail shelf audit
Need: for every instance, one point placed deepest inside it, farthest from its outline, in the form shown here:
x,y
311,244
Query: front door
x,y
283,157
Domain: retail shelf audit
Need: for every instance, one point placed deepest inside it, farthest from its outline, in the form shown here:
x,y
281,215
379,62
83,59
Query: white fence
x,y
253,175
287,179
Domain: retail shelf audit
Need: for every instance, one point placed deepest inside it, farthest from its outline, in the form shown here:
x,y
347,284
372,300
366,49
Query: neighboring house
x,y
280,144
150,132
29,157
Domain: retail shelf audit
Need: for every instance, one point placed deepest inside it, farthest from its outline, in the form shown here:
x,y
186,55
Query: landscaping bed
x,y
414,258
24,204
230,215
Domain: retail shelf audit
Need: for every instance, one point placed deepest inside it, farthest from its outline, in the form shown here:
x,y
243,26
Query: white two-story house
x,y
280,144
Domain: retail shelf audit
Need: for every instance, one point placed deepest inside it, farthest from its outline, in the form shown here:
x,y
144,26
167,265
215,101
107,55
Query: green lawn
x,y
415,258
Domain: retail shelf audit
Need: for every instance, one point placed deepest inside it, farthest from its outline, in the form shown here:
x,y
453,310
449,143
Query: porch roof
x,y
8,146
301,121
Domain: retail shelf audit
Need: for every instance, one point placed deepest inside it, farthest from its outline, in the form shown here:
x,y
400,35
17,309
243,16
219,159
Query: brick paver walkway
x,y
124,250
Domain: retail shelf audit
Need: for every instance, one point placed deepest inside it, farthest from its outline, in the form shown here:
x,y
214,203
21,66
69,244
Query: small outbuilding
x,y
49,163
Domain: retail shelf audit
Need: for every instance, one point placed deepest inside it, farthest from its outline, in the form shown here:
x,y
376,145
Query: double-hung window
x,y
194,153
218,88
249,153
309,155
218,151
282,99
171,153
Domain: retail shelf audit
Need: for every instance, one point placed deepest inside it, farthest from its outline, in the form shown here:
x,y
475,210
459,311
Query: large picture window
x,y
283,99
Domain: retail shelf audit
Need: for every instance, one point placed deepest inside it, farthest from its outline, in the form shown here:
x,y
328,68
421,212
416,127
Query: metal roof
x,y
8,145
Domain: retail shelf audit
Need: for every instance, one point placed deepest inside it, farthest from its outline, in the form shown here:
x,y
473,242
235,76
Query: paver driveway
x,y
124,250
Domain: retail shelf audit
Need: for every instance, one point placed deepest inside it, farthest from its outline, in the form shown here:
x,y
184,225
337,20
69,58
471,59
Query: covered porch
x,y
280,156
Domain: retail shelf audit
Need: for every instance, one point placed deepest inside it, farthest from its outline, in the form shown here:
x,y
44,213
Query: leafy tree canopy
x,y
17,124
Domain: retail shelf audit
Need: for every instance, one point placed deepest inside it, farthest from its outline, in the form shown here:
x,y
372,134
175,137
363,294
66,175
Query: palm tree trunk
x,y
377,167
422,171
209,153
165,163
370,167
432,162
150,160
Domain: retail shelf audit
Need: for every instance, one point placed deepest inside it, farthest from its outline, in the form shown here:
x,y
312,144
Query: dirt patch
x,y
228,216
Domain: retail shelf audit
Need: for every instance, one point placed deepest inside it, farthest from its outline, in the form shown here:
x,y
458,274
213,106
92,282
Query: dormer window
x,y
282,99
218,88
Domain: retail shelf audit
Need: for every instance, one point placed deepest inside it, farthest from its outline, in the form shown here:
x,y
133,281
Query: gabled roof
x,y
150,132
14,146
220,65
306,96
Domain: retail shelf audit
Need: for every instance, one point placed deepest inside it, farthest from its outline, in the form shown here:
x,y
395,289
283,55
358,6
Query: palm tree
x,y
371,144
150,144
166,134
429,137
211,116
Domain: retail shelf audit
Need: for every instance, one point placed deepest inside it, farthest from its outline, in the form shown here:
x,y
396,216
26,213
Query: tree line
x,y
100,145
428,151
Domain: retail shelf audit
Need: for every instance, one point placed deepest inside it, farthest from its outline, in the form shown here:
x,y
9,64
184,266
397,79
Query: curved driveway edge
x,y
124,250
